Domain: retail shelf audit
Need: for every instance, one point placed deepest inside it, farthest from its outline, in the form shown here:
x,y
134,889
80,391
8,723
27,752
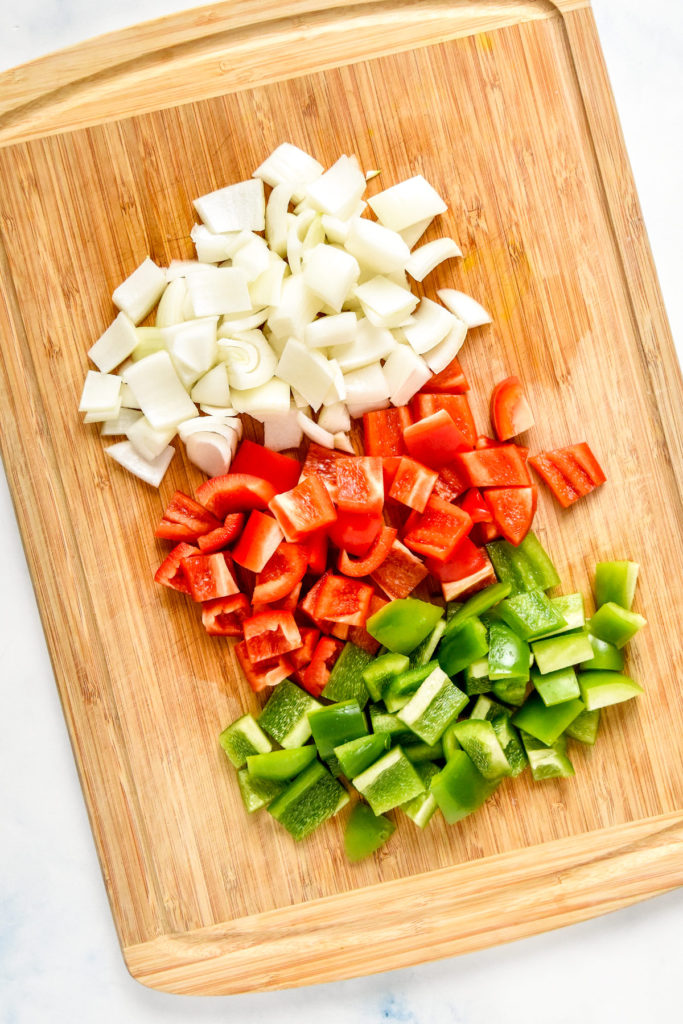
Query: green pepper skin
x,y
585,726
508,653
615,624
547,761
466,644
308,801
366,832
600,689
556,687
403,624
525,567
459,788
605,656
379,673
543,723
479,603
280,765
559,652
336,724
531,615
357,755
615,582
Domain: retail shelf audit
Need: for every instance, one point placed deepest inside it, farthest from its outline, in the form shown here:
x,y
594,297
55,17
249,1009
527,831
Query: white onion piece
x,y
215,423
128,399
297,307
384,303
249,359
337,389
171,308
299,400
376,247
359,409
339,190
414,232
371,344
289,165
213,388
315,432
438,358
405,373
423,260
209,452
266,289
315,234
234,323
223,411
430,325
158,389
215,248
282,431
140,292
407,203
115,345
151,471
252,258
219,290
336,230
369,175
295,247
366,385
238,207
329,273
148,442
335,418
103,414
266,400
120,424
306,370
329,331
464,307
183,268
277,223
342,443
101,392
192,348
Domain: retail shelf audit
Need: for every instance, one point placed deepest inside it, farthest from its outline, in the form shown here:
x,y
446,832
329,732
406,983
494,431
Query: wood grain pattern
x,y
516,128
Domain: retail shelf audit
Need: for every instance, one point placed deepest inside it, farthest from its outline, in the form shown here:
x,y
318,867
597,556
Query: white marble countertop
x,y
59,956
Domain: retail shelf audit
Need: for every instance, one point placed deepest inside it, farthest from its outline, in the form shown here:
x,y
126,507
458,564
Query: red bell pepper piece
x,y
322,463
373,559
451,380
254,459
303,655
570,472
343,600
468,569
288,603
284,569
457,407
510,410
234,492
390,464
317,545
224,616
383,431
489,442
260,538
473,503
340,630
354,532
503,466
451,483
185,519
359,636
400,572
315,676
222,535
435,440
170,572
304,510
360,485
413,484
484,533
266,673
307,605
513,510
270,634
438,530
209,576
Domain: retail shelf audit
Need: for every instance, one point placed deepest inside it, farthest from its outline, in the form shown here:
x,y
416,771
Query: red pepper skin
x,y
413,484
267,673
489,442
457,407
435,440
570,472
373,559
450,483
400,572
510,411
322,463
209,576
390,464
270,634
468,569
473,503
223,535
317,553
303,655
513,510
484,533
359,636
257,460
288,603
354,532
259,540
315,676
224,616
304,510
234,492
307,605
360,485
281,573
170,572
383,431
451,380
503,466
438,530
343,600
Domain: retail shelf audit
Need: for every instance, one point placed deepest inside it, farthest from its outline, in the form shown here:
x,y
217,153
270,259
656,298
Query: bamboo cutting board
x,y
505,107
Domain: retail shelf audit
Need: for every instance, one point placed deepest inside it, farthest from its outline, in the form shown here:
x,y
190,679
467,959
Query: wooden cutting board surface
x,y
505,107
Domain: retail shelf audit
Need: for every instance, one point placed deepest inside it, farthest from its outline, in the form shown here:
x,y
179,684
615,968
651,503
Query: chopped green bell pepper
x,y
379,673
546,723
464,645
584,728
477,677
614,624
559,652
600,689
336,724
244,737
257,793
402,624
308,801
526,566
365,832
511,691
400,690
531,615
556,687
357,755
615,582
389,782
346,677
508,655
510,741
382,721
424,652
571,608
479,741
285,716
459,789
433,707
423,806
479,603
605,656
547,761
450,742
280,765
418,753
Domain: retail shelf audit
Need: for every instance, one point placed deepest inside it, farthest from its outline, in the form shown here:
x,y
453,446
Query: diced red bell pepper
x,y
303,655
266,673
510,410
373,559
234,492
284,569
390,464
322,463
570,472
484,533
360,485
359,636
438,530
222,535
344,600
451,482
316,675
354,532
383,431
260,538
468,570
185,519
209,576
400,572
307,605
435,440
340,630
304,510
503,466
224,616
457,407
473,503
489,442
317,545
288,603
513,510
450,380
413,484
170,572
256,460
270,634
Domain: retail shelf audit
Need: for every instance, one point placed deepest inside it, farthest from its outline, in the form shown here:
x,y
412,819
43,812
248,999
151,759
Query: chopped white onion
x,y
225,412
249,359
339,190
277,224
103,414
151,471
385,304
238,207
370,344
430,325
335,418
219,290
234,323
252,258
299,400
423,260
140,292
330,331
407,203
158,389
438,358
376,247
101,392
405,373
282,430
171,308
213,388
192,348
148,442
289,165
342,442
115,345
315,432
272,397
336,230
210,452
297,307
329,272
266,289
215,423
306,370
414,232
360,409
215,248
366,385
464,307
119,425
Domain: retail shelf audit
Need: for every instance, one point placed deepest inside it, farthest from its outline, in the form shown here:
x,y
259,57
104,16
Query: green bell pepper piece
x,y
615,582
281,765
379,673
600,689
389,782
605,656
531,615
459,789
476,677
346,677
257,793
547,761
365,832
485,707
382,721
479,741
308,801
450,742
401,625
336,724
511,691
423,806
614,624
424,652
419,753
510,741
556,687
357,755
465,644
559,652
508,655
401,689
571,608
479,603
433,707
285,716
584,728
546,723
526,566
452,608
242,738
